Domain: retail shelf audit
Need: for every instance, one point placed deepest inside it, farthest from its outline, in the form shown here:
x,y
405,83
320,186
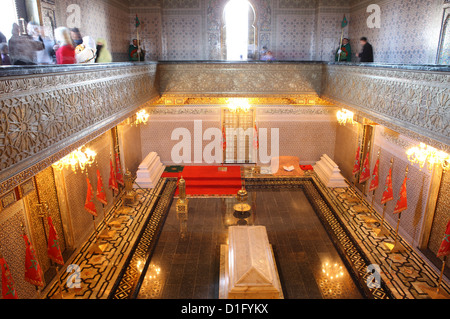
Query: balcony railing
x,y
47,111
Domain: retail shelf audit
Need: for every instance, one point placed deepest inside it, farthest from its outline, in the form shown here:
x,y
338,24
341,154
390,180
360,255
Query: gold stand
x,y
436,293
370,219
97,248
242,206
396,247
382,231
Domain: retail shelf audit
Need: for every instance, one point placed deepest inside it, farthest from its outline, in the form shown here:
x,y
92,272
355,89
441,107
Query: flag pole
x,y
382,231
441,275
397,247
340,45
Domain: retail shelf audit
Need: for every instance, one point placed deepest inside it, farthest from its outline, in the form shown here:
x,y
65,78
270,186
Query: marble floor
x,y
185,262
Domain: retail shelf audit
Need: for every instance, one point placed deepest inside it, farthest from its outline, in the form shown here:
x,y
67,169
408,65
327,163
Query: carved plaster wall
x,y
413,103
44,117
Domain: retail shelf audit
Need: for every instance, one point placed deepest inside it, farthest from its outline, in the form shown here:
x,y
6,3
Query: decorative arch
x,y
252,31
444,43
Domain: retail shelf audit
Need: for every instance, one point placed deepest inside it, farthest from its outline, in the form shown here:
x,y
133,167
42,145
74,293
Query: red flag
x,y
374,182
101,195
112,177
357,166
119,176
33,272
402,202
8,290
255,138
53,249
388,194
365,174
444,250
224,139
89,204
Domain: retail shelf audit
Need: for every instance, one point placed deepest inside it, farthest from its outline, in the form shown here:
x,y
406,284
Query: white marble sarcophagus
x,y
329,173
149,171
247,265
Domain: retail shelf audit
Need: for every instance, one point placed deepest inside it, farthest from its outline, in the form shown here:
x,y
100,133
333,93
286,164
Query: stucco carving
x,y
410,102
41,116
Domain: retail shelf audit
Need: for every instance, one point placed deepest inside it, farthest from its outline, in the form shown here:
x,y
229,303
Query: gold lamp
x,y
82,158
423,154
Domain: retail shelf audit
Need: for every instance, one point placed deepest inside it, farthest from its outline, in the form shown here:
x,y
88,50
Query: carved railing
x,y
43,117
412,100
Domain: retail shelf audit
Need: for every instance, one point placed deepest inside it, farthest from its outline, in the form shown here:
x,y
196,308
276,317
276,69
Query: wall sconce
x,y
82,158
141,117
345,116
426,154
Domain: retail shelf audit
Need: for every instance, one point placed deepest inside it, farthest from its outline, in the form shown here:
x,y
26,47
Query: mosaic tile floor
x,y
99,272
108,275
404,274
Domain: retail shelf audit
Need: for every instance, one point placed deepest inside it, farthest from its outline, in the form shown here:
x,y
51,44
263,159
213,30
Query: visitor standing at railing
x,y
366,54
65,53
22,48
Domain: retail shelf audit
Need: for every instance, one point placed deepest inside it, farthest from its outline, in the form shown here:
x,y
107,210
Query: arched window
x,y
8,16
239,31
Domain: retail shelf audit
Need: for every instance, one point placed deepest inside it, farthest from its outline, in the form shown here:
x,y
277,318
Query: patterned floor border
x,y
355,261
401,273
133,273
98,273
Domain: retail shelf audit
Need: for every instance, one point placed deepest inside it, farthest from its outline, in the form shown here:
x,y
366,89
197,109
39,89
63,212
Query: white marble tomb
x,y
149,171
247,265
329,172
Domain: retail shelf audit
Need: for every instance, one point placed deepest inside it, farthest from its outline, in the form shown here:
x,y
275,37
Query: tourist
x,y
66,52
2,38
22,48
268,57
5,54
103,55
344,53
366,54
87,51
75,34
36,32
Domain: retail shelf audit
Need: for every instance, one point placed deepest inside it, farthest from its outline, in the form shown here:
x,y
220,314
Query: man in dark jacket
x,y
367,53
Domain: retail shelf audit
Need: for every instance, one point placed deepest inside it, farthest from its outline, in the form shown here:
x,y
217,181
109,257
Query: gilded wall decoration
x,y
43,115
410,102
45,192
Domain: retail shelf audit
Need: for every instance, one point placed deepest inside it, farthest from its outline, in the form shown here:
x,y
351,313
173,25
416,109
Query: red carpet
x,y
208,180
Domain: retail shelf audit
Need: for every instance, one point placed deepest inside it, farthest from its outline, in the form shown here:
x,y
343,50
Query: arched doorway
x,y
239,32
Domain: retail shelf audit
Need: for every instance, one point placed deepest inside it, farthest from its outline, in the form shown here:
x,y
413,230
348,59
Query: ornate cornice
x,y
43,118
413,103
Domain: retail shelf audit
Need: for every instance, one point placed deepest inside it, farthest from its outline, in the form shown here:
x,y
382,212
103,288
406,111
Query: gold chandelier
x,y
345,116
238,105
141,117
426,154
81,158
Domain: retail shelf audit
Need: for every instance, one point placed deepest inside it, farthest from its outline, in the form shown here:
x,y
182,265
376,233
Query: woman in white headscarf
x,y
86,52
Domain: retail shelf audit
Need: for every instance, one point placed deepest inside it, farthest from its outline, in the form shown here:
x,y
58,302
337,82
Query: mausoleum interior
x,y
260,149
